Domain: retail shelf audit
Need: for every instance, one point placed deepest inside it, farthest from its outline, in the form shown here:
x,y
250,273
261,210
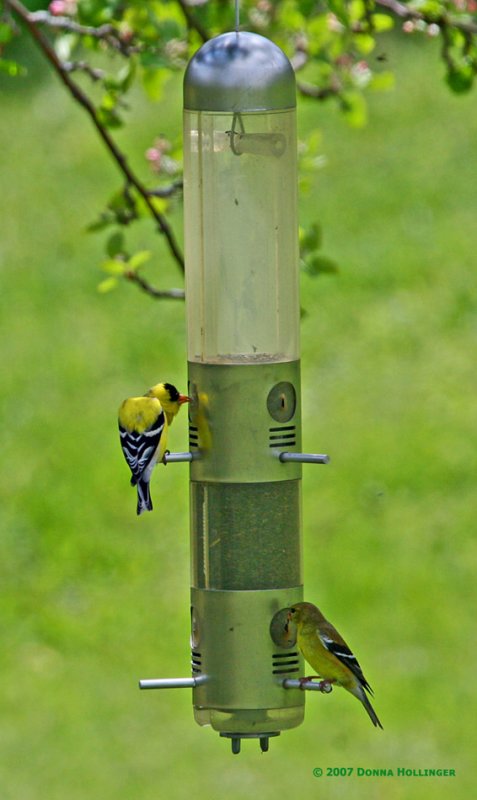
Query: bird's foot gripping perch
x,y
323,686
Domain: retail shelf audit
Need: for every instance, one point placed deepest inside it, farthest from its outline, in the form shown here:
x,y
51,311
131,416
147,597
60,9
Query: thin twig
x,y
86,103
170,294
68,24
309,90
446,49
94,73
402,10
167,191
107,33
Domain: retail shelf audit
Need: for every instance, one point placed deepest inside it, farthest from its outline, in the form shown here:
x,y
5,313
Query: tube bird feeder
x,y
243,315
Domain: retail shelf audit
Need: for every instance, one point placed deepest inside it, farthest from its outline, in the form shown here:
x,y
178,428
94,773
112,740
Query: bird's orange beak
x,y
184,399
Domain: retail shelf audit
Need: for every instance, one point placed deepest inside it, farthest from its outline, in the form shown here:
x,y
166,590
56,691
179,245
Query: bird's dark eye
x,y
292,610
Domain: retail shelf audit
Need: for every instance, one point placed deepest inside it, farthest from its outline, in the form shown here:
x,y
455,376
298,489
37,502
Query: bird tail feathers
x,y
372,713
144,502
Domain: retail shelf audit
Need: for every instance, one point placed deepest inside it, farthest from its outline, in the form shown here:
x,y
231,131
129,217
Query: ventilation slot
x,y
193,437
285,663
284,436
196,662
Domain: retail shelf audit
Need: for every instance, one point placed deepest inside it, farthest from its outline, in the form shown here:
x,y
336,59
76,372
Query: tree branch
x,y
192,21
83,66
170,294
88,106
402,10
67,24
317,92
167,191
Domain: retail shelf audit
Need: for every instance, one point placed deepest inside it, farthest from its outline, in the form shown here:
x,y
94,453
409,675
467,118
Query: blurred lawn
x,y
93,598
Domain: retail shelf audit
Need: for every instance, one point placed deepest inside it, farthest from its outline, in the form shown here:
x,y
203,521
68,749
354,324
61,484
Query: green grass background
x,y
92,598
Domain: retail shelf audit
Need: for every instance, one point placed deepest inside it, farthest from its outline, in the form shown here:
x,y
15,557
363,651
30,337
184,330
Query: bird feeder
x,y
243,314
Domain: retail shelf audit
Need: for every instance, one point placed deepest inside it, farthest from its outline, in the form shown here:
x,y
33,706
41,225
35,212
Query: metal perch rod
x,y
305,458
171,683
175,458
190,683
294,683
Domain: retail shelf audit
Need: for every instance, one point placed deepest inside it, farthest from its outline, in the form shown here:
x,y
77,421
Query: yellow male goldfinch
x,y
329,655
143,424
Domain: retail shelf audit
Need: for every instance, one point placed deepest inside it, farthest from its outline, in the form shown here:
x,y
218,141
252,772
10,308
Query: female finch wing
x,y
331,639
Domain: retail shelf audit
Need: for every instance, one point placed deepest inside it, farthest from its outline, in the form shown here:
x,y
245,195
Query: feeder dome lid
x,y
239,71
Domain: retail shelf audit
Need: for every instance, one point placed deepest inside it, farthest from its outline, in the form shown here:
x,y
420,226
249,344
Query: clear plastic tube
x,y
241,236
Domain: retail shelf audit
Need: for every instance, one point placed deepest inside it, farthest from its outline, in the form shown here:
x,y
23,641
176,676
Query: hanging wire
x,y
237,15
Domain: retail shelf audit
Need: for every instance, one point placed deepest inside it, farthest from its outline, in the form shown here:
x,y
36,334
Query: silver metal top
x,y
239,72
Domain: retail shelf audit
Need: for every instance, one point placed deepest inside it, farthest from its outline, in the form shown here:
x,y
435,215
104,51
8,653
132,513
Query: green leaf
x,y
354,108
339,8
105,219
95,12
114,266
138,259
382,22
319,34
433,9
365,43
107,285
290,16
317,264
460,80
160,204
11,68
115,244
127,74
154,80
109,118
109,101
6,33
311,239
356,10
120,82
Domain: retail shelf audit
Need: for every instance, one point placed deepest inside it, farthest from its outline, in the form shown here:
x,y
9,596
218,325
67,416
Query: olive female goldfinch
x,y
143,426
329,655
